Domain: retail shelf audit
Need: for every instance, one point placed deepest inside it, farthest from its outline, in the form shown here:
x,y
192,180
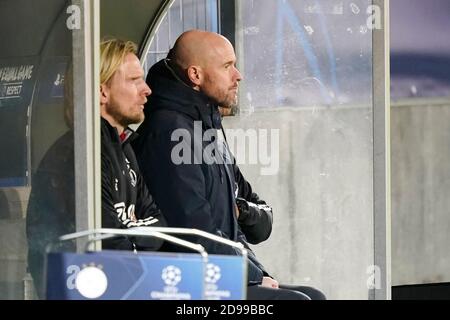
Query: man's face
x,y
221,77
126,93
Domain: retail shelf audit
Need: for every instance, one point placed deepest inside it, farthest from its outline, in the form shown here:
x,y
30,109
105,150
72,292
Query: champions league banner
x,y
225,278
121,275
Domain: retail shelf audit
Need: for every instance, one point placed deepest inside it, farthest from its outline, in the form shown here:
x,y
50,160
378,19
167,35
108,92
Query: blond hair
x,y
112,55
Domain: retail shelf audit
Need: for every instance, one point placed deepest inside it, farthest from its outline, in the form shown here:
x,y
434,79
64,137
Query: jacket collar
x,y
113,135
170,93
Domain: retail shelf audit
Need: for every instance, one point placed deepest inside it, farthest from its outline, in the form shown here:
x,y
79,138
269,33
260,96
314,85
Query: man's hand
x,y
269,282
237,211
242,208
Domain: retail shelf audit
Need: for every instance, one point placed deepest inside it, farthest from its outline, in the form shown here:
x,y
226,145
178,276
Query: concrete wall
x,y
420,137
322,198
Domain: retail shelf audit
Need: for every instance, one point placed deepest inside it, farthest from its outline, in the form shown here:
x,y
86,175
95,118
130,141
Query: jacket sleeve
x,y
111,212
180,192
146,210
255,216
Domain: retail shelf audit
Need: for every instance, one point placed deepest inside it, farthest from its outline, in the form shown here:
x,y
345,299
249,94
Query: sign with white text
x,y
114,275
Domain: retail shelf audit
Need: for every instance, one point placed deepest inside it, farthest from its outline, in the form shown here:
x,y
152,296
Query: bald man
x,y
186,165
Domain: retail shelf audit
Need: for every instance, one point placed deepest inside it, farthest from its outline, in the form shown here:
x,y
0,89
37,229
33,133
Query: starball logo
x,y
252,146
213,291
212,273
171,277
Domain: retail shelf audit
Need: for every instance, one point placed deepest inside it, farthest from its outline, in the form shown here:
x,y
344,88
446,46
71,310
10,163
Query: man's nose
x,y
147,90
238,75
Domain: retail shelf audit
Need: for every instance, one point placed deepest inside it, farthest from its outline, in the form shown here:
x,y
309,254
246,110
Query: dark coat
x,y
126,202
255,216
193,193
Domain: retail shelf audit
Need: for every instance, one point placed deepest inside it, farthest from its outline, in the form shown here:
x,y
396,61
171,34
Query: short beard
x,y
226,103
125,120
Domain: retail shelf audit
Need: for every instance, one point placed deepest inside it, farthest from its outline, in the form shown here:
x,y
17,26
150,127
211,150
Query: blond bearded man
x,y
126,202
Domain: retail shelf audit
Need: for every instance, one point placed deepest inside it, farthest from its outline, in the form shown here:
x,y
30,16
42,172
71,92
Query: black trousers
x,y
284,292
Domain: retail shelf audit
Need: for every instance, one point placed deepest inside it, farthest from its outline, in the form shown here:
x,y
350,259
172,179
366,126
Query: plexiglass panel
x,y
306,53
304,137
37,179
182,15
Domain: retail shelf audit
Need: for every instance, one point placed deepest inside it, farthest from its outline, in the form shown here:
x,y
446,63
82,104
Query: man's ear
x,y
195,75
104,94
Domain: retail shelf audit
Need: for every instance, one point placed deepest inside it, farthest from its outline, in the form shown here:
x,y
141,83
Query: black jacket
x,y
126,202
192,194
255,216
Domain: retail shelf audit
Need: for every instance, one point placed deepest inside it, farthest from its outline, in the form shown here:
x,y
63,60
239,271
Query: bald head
x,y
206,62
197,47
